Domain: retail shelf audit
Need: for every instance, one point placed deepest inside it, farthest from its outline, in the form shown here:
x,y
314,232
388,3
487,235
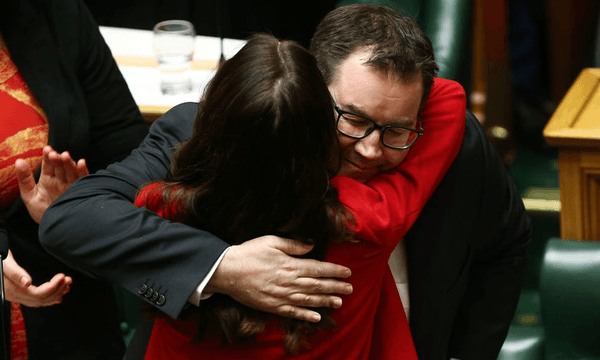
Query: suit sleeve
x,y
499,262
392,201
95,227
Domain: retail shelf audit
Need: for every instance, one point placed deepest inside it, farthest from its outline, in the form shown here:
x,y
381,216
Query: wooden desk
x,y
132,50
575,129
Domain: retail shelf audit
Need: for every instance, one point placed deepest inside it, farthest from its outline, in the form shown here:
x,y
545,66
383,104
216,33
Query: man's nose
x,y
370,146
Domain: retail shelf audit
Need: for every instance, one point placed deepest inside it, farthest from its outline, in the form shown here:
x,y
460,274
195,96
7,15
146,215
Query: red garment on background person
x,y
23,135
23,128
371,323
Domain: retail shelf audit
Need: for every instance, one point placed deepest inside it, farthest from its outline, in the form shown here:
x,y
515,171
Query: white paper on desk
x,y
144,84
138,43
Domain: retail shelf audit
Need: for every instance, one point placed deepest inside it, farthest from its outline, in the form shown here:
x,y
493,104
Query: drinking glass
x,y
174,42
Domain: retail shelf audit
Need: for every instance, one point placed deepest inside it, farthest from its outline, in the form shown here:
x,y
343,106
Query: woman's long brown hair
x,y
263,149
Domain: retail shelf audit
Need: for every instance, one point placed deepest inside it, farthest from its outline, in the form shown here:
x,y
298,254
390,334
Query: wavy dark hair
x,y
263,149
396,42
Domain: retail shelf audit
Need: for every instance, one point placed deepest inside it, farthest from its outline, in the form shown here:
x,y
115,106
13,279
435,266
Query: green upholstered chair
x,y
570,299
570,307
523,343
446,23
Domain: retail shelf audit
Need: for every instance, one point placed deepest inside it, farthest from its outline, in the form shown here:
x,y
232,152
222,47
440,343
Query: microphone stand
x,y
220,31
3,321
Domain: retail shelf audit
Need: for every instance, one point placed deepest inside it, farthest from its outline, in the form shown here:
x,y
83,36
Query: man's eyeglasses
x,y
392,136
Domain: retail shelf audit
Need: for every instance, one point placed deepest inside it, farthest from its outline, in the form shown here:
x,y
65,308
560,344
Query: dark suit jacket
x,y
61,55
466,256
465,251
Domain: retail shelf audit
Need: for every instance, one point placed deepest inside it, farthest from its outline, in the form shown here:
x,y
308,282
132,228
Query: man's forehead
x,y
364,56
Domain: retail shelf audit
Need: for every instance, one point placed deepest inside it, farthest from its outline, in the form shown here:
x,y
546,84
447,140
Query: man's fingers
x,y
70,167
55,160
15,273
261,274
288,246
47,166
316,300
322,286
47,294
82,169
298,313
308,267
25,177
320,269
19,289
51,292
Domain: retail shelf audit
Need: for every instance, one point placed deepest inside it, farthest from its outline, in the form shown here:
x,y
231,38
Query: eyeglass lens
x,y
392,136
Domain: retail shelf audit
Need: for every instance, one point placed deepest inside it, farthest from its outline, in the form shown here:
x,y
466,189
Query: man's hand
x,y
261,274
19,289
59,171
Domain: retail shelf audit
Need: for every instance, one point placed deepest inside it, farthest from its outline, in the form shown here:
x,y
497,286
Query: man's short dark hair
x,y
397,44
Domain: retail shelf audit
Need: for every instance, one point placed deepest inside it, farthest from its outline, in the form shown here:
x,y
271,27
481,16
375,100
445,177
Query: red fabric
x,y
18,338
23,128
23,134
392,201
371,323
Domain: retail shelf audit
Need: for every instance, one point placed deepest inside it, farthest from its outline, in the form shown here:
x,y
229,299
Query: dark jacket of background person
x,y
465,252
61,55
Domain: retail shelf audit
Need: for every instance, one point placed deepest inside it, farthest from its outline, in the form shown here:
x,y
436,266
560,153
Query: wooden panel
x,y
591,200
576,99
590,159
575,128
590,165
579,178
142,61
574,138
570,195
576,121
152,112
590,116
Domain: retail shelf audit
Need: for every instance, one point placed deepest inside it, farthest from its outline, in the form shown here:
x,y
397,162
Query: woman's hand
x,y
18,287
59,171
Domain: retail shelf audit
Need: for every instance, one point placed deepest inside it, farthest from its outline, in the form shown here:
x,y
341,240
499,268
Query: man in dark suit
x,y
465,252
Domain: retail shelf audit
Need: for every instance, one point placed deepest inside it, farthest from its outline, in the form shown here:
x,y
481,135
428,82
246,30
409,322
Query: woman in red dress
x,y
260,162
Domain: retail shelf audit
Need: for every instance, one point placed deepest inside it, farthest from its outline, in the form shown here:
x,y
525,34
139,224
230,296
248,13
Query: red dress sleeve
x,y
151,197
391,202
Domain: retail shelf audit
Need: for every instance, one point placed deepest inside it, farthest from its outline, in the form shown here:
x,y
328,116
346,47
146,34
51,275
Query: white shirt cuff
x,y
197,295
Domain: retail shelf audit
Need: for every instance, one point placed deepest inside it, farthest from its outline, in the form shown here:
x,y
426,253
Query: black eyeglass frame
x,y
341,112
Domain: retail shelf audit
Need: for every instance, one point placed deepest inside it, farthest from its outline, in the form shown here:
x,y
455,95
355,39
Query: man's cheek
x,y
345,142
395,159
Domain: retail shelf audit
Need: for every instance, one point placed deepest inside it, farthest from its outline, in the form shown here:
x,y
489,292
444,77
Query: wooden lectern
x,y
575,129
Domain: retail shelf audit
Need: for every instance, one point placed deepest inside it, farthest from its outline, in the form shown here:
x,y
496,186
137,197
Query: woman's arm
x,y
391,201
